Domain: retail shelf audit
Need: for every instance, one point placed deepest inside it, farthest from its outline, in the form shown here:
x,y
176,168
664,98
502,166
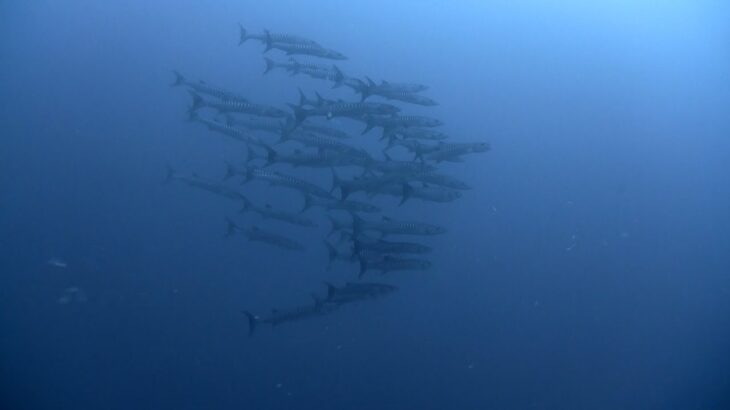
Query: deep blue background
x,y
610,132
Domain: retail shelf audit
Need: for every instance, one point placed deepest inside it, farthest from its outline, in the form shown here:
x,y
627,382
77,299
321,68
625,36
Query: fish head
x,y
427,167
388,109
371,208
435,230
480,147
335,55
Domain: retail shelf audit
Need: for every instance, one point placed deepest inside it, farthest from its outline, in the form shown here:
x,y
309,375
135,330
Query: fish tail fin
x,y
271,155
356,247
370,124
335,226
363,266
231,227
242,36
197,101
192,115
307,203
251,322
336,181
267,40
269,65
230,171
169,174
407,193
344,192
331,290
318,302
331,254
247,205
302,97
300,114
286,128
320,100
339,77
179,79
356,225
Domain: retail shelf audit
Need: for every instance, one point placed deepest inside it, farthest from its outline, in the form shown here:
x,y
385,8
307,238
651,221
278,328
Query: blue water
x,y
588,268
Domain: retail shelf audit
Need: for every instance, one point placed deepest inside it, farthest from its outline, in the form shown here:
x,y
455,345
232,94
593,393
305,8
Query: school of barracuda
x,y
281,141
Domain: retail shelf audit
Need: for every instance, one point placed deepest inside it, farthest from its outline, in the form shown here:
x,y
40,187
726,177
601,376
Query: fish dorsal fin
x,y
267,206
202,82
385,218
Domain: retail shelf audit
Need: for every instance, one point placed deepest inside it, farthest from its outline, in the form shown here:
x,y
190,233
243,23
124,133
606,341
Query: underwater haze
x,y
566,245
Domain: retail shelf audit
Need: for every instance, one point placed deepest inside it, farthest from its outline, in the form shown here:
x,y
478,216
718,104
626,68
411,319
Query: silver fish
x,y
388,226
277,179
254,233
343,205
244,35
206,185
267,212
390,263
239,106
201,87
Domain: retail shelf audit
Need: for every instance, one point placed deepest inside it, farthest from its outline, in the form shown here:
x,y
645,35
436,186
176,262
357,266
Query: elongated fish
x,y
356,291
446,181
344,109
201,87
314,50
388,226
269,125
312,128
320,72
293,314
361,184
204,184
406,191
453,152
316,141
278,179
271,65
245,35
387,88
342,205
394,122
321,159
421,134
391,263
267,212
364,244
410,98
254,233
227,130
393,168
243,107
417,148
